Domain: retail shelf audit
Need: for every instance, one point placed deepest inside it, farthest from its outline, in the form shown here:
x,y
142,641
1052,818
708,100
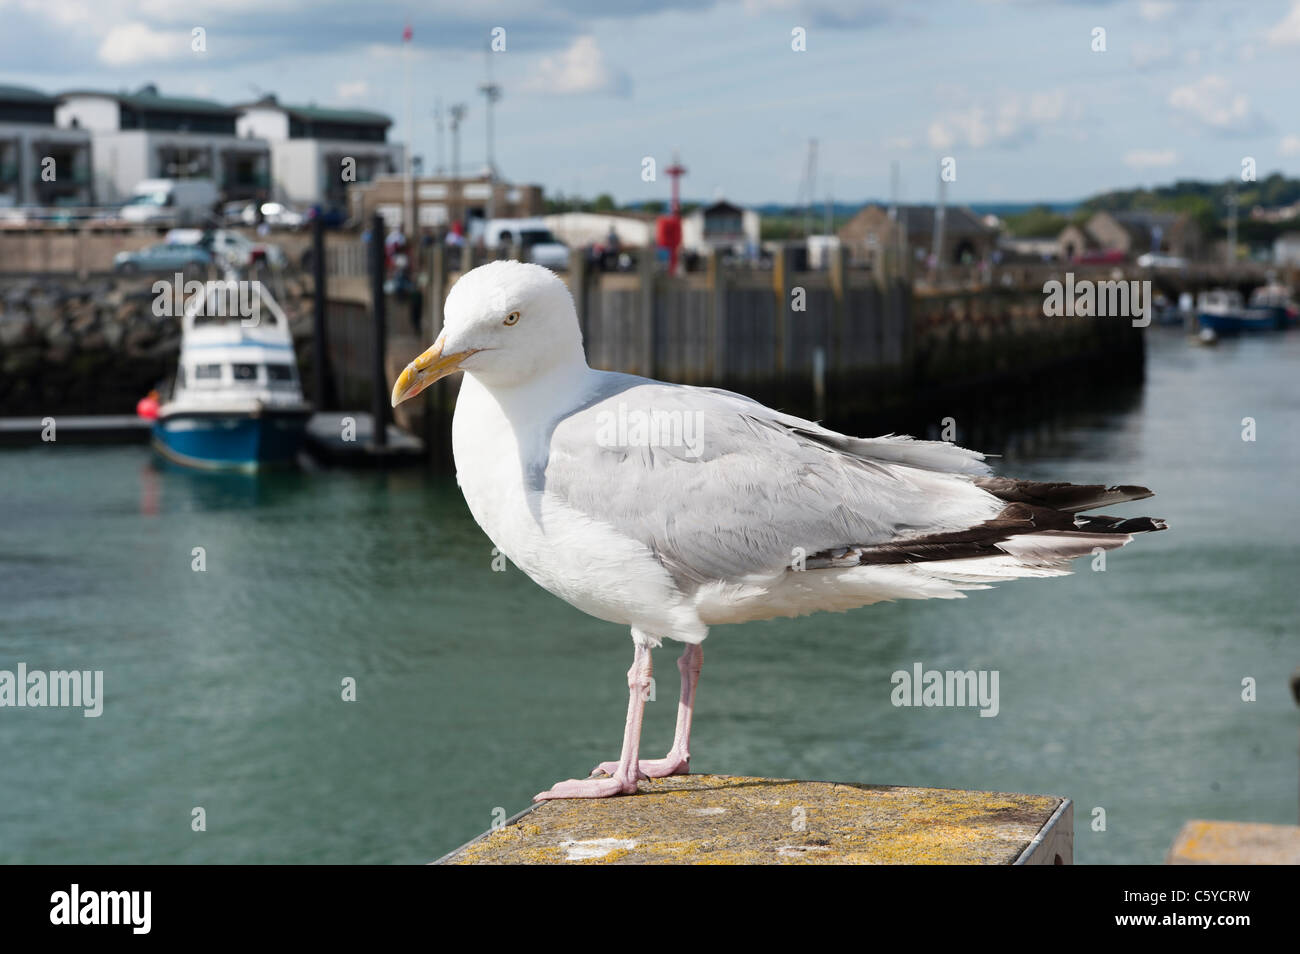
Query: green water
x,y
476,689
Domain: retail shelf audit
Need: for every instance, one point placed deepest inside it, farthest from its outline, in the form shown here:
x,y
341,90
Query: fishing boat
x,y
1223,312
236,402
1275,300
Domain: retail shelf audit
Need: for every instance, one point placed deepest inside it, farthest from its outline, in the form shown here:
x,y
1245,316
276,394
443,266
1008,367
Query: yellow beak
x,y
427,368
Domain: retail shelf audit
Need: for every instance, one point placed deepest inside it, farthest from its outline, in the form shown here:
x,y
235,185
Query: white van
x,y
171,202
529,239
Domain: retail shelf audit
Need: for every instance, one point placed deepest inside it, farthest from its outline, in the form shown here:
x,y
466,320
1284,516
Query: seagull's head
x,y
504,323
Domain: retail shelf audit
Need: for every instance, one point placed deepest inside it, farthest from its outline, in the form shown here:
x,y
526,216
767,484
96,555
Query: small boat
x,y
1275,300
236,402
1223,313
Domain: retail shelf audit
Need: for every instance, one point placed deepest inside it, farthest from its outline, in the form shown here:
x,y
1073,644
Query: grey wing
x,y
720,487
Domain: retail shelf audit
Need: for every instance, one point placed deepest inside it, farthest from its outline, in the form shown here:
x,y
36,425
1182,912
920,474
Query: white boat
x,y
237,402
1223,312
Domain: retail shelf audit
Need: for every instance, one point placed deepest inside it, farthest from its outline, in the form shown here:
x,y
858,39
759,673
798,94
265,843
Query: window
x,y
279,373
531,237
245,373
207,372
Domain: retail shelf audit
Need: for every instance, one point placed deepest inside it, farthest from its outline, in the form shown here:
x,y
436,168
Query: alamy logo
x,y
655,428
217,299
103,907
932,688
58,688
1089,299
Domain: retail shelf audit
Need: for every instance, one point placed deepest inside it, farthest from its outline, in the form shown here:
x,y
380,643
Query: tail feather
x,y
1025,539
1058,495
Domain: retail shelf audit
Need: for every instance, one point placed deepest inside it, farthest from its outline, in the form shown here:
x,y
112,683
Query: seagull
x,y
669,509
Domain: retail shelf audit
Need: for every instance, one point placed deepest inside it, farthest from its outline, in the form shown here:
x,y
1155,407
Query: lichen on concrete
x,y
711,819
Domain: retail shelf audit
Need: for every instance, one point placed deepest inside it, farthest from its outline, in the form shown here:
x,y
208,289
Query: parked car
x,y
166,257
232,213
171,202
332,218
229,248
1160,260
1101,257
278,216
530,239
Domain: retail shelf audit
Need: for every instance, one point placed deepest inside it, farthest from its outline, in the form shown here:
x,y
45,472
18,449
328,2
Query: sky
x,y
1016,92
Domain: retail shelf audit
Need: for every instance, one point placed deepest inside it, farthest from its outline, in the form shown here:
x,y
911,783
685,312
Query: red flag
x,y
407,34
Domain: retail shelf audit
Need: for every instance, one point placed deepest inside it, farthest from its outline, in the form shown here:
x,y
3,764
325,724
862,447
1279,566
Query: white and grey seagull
x,y
670,509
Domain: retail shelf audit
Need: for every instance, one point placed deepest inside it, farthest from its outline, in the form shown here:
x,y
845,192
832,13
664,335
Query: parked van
x,y
529,239
171,202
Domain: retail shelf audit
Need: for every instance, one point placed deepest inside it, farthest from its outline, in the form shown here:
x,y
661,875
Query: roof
x,y
321,114
22,94
147,99
722,206
1145,219
1142,225
919,219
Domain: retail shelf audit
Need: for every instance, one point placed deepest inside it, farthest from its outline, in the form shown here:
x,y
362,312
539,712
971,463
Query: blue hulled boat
x,y
1223,312
236,402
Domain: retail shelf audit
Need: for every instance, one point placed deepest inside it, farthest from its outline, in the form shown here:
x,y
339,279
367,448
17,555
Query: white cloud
x,y
1211,102
1147,56
1150,158
833,13
358,89
1287,32
1153,11
134,43
899,143
1290,145
579,69
1011,121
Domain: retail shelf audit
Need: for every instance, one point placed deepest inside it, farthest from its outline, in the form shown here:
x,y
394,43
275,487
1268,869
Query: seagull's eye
x,y
512,318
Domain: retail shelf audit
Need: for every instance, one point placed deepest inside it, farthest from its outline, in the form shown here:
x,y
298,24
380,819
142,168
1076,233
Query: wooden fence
x,y
849,345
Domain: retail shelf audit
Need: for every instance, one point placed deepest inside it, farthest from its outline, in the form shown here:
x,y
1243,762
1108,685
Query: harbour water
x,y
474,689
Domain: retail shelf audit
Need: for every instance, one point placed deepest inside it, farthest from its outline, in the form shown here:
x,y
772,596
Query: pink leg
x,y
678,760
623,779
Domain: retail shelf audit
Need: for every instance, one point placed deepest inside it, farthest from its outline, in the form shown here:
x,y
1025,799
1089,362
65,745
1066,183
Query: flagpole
x,y
410,223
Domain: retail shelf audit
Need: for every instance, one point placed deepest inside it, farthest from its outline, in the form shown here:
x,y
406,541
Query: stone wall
x,y
95,346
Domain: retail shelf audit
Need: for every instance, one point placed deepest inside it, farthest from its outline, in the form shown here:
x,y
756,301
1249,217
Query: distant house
x,y
1132,234
145,135
721,226
29,137
966,238
580,229
1280,213
312,147
1286,249
441,200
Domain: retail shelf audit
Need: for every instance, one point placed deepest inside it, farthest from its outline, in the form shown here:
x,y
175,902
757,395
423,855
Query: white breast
x,y
588,564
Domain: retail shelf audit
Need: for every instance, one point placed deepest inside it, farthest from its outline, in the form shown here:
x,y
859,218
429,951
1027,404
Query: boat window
x,y
207,372
279,373
246,373
180,375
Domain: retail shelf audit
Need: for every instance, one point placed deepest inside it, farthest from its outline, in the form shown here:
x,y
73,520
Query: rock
x,y
16,329
93,342
114,332
139,338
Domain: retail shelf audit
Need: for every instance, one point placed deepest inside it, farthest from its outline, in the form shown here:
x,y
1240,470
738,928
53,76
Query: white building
x,y
317,153
580,229
144,135
40,164
721,227
1286,249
